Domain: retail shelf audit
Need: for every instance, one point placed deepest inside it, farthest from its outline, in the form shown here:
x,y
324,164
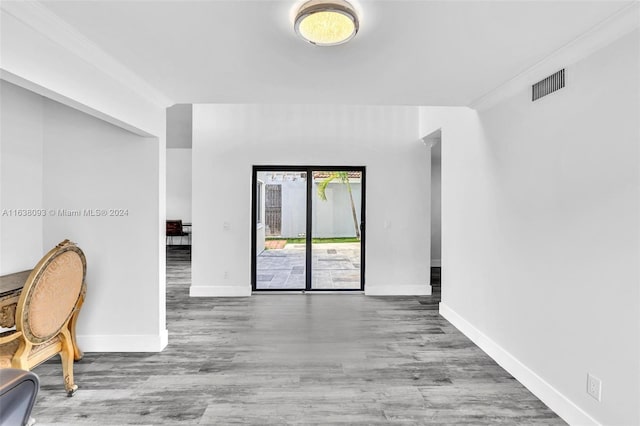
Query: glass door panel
x,y
336,229
280,235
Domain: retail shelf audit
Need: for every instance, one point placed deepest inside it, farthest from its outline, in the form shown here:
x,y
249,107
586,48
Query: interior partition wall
x,y
308,228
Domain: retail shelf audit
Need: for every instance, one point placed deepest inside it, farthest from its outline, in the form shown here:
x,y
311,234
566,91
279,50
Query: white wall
x,y
90,164
179,126
229,139
540,227
55,157
333,217
179,184
21,138
294,208
43,54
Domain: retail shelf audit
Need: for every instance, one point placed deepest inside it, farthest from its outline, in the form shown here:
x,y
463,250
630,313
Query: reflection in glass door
x,y
336,237
308,228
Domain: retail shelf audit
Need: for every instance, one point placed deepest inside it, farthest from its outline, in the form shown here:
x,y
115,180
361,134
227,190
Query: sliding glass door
x,y
336,232
280,230
308,228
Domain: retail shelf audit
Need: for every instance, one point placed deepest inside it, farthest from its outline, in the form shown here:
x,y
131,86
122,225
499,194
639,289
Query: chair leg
x,y
66,355
21,357
77,353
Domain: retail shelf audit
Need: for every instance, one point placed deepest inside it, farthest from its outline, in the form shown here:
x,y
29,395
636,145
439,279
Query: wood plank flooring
x,y
293,359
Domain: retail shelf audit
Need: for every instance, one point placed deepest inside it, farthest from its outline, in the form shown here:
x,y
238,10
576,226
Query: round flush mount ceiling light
x,y
327,23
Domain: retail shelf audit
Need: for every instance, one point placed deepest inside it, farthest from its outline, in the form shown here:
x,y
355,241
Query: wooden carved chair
x,y
47,313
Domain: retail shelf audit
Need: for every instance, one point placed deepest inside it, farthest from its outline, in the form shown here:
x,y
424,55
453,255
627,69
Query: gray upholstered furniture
x,y
18,390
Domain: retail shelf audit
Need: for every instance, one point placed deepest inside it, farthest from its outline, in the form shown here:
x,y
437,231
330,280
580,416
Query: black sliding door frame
x,y
309,225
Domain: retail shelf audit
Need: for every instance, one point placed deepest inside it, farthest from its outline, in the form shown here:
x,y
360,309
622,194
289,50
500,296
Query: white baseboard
x,y
124,342
164,339
220,291
555,400
398,290
436,263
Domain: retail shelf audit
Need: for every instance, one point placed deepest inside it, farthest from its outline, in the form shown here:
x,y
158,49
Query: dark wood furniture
x,y
175,228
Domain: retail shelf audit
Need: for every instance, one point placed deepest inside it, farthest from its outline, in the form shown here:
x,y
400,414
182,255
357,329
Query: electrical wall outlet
x,y
594,387
226,275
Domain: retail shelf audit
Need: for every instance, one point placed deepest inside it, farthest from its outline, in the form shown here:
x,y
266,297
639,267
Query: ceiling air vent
x,y
548,85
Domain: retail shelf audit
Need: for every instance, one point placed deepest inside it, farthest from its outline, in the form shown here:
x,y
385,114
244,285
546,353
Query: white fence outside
x,y
331,218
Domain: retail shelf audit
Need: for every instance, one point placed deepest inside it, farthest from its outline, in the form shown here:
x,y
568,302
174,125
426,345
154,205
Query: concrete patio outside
x,y
335,266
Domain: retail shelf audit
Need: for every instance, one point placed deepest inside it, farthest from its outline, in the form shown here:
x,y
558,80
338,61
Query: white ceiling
x,y
407,52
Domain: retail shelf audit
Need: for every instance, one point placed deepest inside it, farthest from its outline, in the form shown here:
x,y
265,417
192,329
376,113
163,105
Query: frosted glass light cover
x,y
326,24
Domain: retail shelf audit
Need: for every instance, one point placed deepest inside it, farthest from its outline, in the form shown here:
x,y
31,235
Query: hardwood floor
x,y
301,359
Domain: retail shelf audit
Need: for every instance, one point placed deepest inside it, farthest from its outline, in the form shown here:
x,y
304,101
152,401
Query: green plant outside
x,y
344,178
317,240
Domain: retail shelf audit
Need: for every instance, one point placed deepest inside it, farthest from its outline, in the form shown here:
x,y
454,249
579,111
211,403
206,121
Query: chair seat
x,y
6,354
9,349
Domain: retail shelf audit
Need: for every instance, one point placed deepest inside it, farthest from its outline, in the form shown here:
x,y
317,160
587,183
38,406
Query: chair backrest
x,y
174,228
51,293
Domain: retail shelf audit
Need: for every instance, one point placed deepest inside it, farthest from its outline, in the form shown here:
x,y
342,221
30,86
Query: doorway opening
x,y
308,231
435,142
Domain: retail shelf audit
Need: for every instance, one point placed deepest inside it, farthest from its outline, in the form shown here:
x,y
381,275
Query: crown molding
x,y
45,22
616,26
